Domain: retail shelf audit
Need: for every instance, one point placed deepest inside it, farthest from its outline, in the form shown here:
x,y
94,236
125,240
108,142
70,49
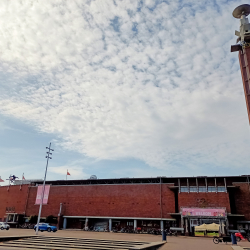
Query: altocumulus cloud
x,y
151,80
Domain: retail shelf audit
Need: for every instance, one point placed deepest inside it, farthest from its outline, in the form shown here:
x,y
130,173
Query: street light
x,y
41,201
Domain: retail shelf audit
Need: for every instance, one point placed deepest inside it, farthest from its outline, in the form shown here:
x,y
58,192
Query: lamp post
x,y
41,201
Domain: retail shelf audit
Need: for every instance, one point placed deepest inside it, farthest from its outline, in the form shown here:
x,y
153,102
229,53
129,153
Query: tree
x,y
33,219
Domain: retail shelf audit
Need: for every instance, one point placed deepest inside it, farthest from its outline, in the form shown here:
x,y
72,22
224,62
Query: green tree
x,y
33,219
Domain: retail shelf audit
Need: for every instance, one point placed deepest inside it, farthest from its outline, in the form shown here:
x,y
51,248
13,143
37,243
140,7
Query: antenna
x,y
241,10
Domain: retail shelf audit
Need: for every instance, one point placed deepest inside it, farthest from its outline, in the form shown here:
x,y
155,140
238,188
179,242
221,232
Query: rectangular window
x,y
184,189
211,189
130,223
221,189
193,189
202,189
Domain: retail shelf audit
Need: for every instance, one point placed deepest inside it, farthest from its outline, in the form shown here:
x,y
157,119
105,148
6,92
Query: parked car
x,y
46,227
4,225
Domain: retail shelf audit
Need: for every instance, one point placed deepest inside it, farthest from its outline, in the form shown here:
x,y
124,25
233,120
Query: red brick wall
x,y
106,200
14,198
204,200
242,200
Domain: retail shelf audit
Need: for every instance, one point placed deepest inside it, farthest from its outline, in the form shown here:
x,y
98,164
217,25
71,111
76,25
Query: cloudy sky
x,y
122,88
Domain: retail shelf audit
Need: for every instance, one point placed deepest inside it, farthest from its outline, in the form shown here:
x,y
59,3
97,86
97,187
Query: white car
x,y
4,225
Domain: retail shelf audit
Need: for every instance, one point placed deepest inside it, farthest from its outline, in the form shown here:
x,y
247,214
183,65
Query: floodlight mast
x,y
243,46
41,200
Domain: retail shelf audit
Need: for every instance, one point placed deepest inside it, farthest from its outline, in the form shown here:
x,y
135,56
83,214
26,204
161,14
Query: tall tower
x,y
243,46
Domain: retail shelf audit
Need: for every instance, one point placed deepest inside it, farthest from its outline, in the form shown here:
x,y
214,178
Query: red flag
x,y
1,180
68,173
23,177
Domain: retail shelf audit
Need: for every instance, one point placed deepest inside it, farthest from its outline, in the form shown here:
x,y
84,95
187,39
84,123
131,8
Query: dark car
x,y
46,227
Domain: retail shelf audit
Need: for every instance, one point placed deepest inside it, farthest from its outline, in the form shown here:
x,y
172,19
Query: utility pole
x,y
41,201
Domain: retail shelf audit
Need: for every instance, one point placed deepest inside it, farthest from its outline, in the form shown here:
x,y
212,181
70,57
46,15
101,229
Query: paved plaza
x,y
105,239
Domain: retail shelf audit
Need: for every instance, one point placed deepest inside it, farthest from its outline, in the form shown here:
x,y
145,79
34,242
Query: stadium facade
x,y
136,202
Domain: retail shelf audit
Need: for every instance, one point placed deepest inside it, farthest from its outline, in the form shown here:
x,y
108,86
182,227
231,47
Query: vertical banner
x,y
39,194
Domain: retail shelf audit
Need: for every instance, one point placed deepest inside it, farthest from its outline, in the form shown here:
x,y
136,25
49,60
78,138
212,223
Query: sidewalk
x,y
173,243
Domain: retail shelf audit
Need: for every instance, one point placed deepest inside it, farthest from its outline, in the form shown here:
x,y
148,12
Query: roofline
x,y
142,180
159,177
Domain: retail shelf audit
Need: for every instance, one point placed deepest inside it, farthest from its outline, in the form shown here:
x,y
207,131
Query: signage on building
x,y
39,194
211,212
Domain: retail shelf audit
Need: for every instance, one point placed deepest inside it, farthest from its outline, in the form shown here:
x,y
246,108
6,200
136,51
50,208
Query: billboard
x,y
210,212
39,194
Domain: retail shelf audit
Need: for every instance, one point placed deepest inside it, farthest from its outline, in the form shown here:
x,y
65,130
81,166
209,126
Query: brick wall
x,y
118,200
204,200
106,200
242,200
14,199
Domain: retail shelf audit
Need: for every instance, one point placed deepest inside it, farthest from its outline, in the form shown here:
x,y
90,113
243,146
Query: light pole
x,y
41,201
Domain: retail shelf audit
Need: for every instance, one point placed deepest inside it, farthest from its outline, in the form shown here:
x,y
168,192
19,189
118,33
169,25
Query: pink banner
x,y
39,194
214,212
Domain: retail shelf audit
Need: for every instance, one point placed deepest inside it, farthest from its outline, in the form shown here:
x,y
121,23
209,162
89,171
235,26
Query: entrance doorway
x,y
193,223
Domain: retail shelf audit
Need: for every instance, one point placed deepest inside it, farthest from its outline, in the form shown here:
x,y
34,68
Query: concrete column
x,y
162,225
86,223
135,224
187,229
64,223
14,216
110,224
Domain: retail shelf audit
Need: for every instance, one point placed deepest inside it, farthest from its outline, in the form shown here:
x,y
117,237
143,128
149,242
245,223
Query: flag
x,y
1,180
23,177
68,172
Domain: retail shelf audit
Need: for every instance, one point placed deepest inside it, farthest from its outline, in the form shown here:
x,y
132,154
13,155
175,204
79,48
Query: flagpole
x,y
66,174
21,183
9,183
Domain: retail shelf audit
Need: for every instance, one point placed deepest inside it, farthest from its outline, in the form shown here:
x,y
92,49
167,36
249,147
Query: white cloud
x,y
159,84
76,172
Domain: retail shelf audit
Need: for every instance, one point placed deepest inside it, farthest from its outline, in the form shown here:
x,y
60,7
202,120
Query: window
x,y
130,223
193,189
211,189
184,189
202,189
221,189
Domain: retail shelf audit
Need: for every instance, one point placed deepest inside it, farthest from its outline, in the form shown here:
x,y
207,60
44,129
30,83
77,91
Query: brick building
x,y
136,202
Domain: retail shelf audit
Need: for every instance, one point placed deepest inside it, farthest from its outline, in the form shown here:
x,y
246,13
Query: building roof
x,y
146,180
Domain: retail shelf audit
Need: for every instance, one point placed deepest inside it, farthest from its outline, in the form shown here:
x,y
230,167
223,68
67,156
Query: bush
x,y
33,219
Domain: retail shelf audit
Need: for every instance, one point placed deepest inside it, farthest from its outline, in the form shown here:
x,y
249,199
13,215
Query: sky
x,y
121,89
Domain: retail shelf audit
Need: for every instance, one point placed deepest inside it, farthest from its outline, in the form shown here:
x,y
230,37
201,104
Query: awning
x,y
200,228
208,227
120,218
213,227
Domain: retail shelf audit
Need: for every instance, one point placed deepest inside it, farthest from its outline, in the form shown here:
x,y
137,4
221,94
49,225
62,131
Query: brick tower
x,y
243,46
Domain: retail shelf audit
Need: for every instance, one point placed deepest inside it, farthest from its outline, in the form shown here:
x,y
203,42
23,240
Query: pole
x,y
9,183
41,203
66,174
